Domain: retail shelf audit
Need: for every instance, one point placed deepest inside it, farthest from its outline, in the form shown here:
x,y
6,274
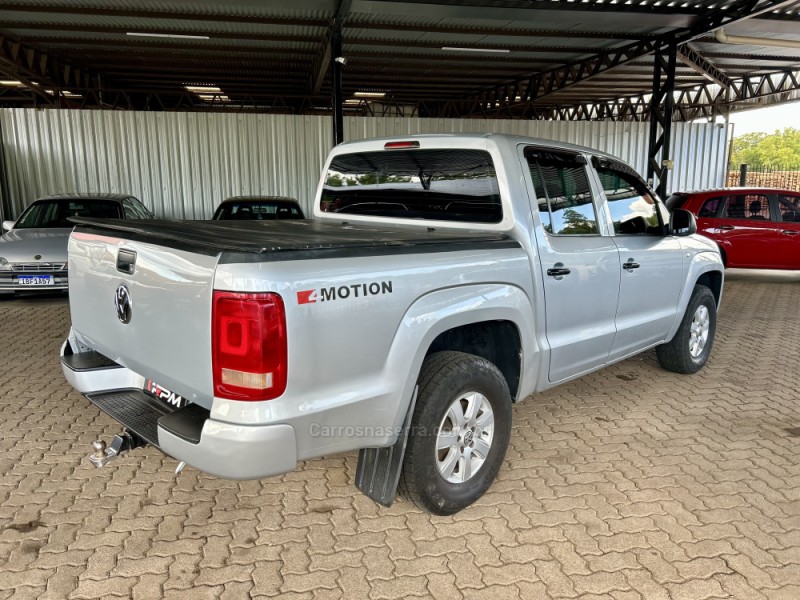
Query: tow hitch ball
x,y
122,442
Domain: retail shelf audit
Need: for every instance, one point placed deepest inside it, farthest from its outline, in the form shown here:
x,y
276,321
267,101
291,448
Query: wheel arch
x,y
713,281
449,319
497,341
705,269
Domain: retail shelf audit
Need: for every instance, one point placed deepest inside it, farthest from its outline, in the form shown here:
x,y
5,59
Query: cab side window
x,y
563,192
634,209
145,214
130,209
710,207
134,209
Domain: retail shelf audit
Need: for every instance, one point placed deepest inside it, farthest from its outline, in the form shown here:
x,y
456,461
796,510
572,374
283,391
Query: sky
x,y
766,119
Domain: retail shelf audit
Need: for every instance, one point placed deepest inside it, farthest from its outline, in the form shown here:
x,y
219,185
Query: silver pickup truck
x,y
441,279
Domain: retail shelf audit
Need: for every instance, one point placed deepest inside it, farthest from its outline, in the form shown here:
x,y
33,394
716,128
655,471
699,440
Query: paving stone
x,y
657,487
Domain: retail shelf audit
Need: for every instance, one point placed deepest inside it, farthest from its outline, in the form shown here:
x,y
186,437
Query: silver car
x,y
33,249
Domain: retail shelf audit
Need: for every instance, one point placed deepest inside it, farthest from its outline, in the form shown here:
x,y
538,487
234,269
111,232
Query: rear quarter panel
x,y
353,361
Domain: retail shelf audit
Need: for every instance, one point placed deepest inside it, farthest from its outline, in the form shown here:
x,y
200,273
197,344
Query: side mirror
x,y
8,225
682,222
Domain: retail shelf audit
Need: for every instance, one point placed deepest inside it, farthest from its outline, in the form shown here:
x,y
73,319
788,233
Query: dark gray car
x,y
258,208
33,249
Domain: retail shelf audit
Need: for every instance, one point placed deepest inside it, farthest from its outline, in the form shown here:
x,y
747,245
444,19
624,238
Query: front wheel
x,y
459,432
687,352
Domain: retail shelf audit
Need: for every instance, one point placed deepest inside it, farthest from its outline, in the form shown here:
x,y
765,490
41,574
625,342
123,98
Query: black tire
x,y
675,355
445,376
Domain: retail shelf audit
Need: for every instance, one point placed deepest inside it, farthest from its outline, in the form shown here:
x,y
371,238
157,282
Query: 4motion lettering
x,y
344,292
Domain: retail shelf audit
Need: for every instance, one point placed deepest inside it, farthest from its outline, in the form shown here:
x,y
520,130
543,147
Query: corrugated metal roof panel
x,y
244,33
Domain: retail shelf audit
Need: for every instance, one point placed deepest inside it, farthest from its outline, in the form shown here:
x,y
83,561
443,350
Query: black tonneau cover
x,y
249,241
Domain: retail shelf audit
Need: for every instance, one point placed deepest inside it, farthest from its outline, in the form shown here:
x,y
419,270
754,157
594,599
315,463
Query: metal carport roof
x,y
579,59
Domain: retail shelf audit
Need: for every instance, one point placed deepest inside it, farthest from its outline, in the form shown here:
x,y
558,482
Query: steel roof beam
x,y
692,58
238,35
603,12
750,57
205,45
543,84
505,32
693,102
192,46
123,30
39,71
160,15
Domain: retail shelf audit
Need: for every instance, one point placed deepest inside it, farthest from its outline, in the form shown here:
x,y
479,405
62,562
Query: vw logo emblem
x,y
122,302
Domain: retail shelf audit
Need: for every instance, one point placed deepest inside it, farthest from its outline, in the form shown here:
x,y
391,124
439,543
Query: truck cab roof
x,y
482,140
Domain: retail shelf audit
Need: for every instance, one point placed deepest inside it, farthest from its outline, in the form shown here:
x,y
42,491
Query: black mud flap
x,y
378,471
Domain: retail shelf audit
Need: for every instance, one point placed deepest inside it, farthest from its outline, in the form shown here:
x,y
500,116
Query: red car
x,y
754,227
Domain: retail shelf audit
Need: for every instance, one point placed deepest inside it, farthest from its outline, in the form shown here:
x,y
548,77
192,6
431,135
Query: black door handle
x,y
726,227
558,272
630,265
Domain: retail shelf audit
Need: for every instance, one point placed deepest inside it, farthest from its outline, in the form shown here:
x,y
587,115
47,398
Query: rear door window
x,y
562,191
789,208
752,207
443,185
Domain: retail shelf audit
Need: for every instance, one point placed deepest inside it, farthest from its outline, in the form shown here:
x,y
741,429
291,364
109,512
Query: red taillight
x,y
248,345
398,145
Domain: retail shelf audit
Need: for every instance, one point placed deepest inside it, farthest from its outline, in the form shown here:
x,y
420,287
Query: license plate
x,y
35,280
159,392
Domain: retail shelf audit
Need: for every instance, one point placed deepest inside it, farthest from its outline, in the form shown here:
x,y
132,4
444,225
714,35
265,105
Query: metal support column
x,y
338,99
6,210
662,105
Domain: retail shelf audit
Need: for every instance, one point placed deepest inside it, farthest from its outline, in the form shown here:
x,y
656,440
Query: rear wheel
x,y
459,432
688,351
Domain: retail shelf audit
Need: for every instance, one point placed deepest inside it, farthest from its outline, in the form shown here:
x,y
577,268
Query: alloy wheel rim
x,y
698,332
464,437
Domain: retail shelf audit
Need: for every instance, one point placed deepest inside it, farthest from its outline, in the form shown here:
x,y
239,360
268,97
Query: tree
x,y
759,149
576,222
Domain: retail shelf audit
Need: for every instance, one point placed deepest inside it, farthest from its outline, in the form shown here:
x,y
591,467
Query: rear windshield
x,y
443,185
257,211
54,213
675,201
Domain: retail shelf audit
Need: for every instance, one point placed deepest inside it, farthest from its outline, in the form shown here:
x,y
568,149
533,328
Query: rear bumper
x,y
236,451
9,281
188,434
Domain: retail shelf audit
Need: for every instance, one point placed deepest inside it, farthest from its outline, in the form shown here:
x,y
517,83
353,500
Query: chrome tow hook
x,y
122,442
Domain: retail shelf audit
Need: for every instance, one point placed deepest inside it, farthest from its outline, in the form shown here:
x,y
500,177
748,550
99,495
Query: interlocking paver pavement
x,y
629,483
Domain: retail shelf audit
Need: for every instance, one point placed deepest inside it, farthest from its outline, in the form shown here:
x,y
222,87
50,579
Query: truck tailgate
x,y
167,336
